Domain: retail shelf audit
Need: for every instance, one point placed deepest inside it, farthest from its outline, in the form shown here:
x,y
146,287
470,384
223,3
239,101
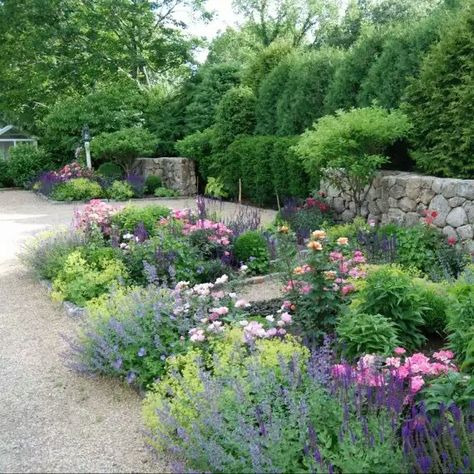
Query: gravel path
x,y
52,420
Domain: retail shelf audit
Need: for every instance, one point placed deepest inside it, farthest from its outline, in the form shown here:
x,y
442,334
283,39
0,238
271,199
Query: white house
x,y
12,136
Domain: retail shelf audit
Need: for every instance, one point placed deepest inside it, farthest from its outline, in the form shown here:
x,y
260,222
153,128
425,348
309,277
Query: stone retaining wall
x,y
402,197
176,173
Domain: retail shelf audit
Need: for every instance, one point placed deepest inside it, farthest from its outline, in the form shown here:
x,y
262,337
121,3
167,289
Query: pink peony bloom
x,y
393,361
242,304
443,356
221,311
400,351
416,383
272,332
339,370
286,318
346,289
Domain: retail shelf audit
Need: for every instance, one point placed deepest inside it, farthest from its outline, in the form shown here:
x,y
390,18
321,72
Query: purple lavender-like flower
x,y
141,352
131,376
137,183
117,364
140,233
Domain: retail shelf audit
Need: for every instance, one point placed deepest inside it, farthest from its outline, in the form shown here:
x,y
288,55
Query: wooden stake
x,y
278,202
240,191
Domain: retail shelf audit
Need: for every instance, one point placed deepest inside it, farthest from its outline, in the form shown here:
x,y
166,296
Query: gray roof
x,y
6,129
14,130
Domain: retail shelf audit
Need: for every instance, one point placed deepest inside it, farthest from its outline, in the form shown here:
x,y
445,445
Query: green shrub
x,y
165,259
120,191
5,179
124,146
110,170
26,162
163,192
46,253
361,333
267,105
251,249
128,218
199,146
215,188
264,62
267,166
436,302
468,363
82,279
350,147
151,183
460,314
390,292
109,107
451,388
416,246
439,102
235,115
78,189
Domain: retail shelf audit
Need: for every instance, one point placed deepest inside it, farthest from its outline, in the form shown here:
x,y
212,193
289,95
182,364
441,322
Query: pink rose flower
x,y
400,351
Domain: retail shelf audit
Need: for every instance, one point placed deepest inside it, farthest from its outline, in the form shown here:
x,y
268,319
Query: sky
x,y
223,17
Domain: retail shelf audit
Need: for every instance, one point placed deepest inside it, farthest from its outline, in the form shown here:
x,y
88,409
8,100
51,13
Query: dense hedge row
x,y
267,167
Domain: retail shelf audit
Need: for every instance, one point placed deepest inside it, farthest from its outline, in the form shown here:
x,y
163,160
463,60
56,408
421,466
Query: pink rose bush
x,y
72,171
95,214
323,282
218,233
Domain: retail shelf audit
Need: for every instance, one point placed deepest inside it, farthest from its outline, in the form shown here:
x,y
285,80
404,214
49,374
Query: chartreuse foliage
x,y
85,276
77,189
128,218
230,356
350,147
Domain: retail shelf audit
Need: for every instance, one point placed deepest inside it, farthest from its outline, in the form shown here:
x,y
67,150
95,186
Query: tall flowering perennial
x,y
443,444
323,282
95,214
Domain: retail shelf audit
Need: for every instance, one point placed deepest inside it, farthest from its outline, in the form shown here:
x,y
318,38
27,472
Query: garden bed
x,y
165,311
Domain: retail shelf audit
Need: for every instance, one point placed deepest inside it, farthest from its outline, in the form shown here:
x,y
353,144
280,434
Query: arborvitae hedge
x,y
440,102
212,82
344,90
266,165
400,59
235,116
292,96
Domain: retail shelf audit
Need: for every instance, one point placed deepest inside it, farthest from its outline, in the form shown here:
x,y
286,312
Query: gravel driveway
x,y
52,420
